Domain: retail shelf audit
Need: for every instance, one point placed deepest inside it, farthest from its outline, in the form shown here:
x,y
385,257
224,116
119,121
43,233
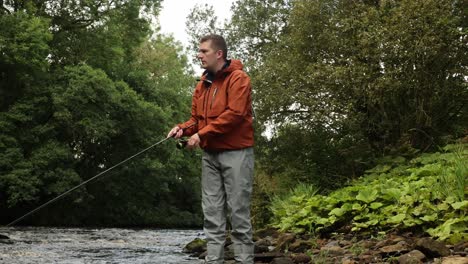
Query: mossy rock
x,y
196,246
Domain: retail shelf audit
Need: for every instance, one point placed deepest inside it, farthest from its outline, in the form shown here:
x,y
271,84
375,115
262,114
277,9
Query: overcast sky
x,y
174,15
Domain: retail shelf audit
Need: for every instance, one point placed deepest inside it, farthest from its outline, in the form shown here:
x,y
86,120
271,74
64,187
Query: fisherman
x,y
221,124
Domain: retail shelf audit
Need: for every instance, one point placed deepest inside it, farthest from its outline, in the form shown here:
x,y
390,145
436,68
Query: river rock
x,y
196,246
267,257
261,233
412,257
284,240
262,245
332,250
396,249
301,258
461,247
370,257
300,246
455,260
432,248
5,240
282,261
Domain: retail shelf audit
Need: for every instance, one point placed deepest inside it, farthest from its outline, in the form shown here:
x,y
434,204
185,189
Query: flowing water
x,y
108,245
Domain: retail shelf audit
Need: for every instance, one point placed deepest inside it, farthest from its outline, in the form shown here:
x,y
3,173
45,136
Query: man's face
x,y
208,56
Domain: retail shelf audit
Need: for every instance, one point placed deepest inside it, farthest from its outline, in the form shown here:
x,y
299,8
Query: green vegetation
x,y
83,86
398,194
338,87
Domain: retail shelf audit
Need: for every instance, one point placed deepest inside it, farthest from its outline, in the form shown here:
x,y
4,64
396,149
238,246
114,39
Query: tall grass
x,y
453,181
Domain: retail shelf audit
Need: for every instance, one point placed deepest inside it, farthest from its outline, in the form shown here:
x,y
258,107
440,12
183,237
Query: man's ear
x,y
219,54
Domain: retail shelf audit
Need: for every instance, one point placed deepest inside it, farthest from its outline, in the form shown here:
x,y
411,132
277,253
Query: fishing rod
x,y
181,144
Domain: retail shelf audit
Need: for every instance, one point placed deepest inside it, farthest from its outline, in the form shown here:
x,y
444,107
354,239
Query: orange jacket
x,y
222,110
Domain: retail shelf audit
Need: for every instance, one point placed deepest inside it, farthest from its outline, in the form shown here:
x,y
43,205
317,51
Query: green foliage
x,y
340,84
83,86
342,64
399,195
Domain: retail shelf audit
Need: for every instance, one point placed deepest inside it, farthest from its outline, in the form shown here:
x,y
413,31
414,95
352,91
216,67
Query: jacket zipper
x,y
214,94
205,101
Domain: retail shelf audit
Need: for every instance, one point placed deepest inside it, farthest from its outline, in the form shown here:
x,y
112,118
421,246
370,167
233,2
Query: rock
x,y
272,232
332,250
412,257
455,260
432,248
203,255
261,249
263,242
383,243
6,241
262,245
366,244
196,246
333,243
284,240
282,261
267,257
370,257
345,243
348,261
300,246
396,249
301,258
461,247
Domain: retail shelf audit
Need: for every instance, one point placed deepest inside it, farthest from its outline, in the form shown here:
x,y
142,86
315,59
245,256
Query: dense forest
x,y
84,85
339,88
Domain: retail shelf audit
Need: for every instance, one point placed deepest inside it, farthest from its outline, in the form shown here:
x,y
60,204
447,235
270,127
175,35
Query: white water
x,y
109,245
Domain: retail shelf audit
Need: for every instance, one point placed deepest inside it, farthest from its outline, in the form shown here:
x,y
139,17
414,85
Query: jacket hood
x,y
233,65
230,66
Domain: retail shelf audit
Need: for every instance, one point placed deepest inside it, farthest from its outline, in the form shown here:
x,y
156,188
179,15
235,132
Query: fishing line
x,y
85,182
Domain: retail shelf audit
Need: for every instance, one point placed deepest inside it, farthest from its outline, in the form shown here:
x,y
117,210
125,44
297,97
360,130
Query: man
x,y
221,124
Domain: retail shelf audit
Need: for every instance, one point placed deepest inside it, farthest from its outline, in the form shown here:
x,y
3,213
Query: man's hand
x,y
194,141
176,132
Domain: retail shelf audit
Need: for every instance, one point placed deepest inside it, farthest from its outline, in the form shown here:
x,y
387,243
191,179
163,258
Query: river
x,y
85,245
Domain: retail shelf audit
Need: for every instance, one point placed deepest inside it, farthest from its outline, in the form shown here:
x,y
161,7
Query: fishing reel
x,y
181,143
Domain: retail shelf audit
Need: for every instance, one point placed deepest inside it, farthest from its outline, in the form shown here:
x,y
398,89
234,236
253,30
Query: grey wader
x,y
227,179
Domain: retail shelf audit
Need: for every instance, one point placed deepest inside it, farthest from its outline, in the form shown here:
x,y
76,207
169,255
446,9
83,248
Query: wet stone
x,y
412,257
196,246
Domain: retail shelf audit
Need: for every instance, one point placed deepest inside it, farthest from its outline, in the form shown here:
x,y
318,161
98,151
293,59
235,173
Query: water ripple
x,y
33,245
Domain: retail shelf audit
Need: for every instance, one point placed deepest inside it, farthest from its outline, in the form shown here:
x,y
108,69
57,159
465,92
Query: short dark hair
x,y
217,42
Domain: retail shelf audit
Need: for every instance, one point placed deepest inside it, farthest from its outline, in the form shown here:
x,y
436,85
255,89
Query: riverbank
x,y
274,247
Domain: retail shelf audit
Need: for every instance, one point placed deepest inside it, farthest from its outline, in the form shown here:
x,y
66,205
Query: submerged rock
x,y
197,246
5,239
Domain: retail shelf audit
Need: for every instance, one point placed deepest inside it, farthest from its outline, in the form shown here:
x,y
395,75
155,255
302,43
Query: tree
x,y
85,87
